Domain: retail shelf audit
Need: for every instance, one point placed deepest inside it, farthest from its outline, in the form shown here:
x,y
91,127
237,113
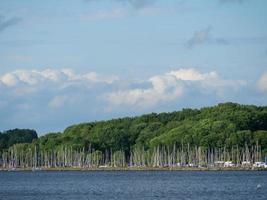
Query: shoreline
x,y
130,169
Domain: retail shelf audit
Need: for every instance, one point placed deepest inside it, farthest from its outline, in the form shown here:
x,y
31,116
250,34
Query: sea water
x,y
128,185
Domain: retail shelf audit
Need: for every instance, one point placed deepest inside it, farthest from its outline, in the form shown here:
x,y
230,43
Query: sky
x,y
71,61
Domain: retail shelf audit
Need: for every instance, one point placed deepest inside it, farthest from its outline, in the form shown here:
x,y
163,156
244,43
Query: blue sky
x,y
69,61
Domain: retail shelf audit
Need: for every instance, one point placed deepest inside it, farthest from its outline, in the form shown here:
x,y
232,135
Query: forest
x,y
15,136
209,136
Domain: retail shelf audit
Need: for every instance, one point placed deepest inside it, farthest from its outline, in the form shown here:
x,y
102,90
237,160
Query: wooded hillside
x,y
227,131
227,124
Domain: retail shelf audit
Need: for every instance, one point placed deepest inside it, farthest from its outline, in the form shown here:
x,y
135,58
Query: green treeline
x,y
228,131
16,136
220,126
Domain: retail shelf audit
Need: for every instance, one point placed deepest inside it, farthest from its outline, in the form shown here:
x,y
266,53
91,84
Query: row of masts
x,y
160,156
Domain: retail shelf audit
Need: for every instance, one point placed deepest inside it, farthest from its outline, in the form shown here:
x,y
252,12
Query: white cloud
x,y
96,78
55,96
171,86
9,79
62,85
191,75
262,83
37,77
29,77
51,74
164,89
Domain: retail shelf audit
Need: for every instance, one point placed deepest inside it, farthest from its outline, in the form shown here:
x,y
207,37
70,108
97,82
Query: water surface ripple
x,y
223,185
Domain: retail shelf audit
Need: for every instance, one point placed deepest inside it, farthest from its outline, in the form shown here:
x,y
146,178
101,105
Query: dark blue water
x,y
133,185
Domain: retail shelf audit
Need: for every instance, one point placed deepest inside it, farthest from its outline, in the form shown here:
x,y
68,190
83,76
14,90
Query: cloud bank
x,y
59,84
59,97
64,76
172,86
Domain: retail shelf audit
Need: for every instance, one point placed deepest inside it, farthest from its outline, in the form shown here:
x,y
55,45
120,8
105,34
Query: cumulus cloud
x,y
5,23
63,85
171,86
9,79
54,96
262,83
203,37
189,74
163,89
62,76
51,96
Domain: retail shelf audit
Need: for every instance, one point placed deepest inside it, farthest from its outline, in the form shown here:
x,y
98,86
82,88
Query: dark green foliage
x,y
15,136
224,125
50,141
227,124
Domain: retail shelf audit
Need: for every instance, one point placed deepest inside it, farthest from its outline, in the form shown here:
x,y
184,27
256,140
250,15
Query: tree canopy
x,y
224,125
16,136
